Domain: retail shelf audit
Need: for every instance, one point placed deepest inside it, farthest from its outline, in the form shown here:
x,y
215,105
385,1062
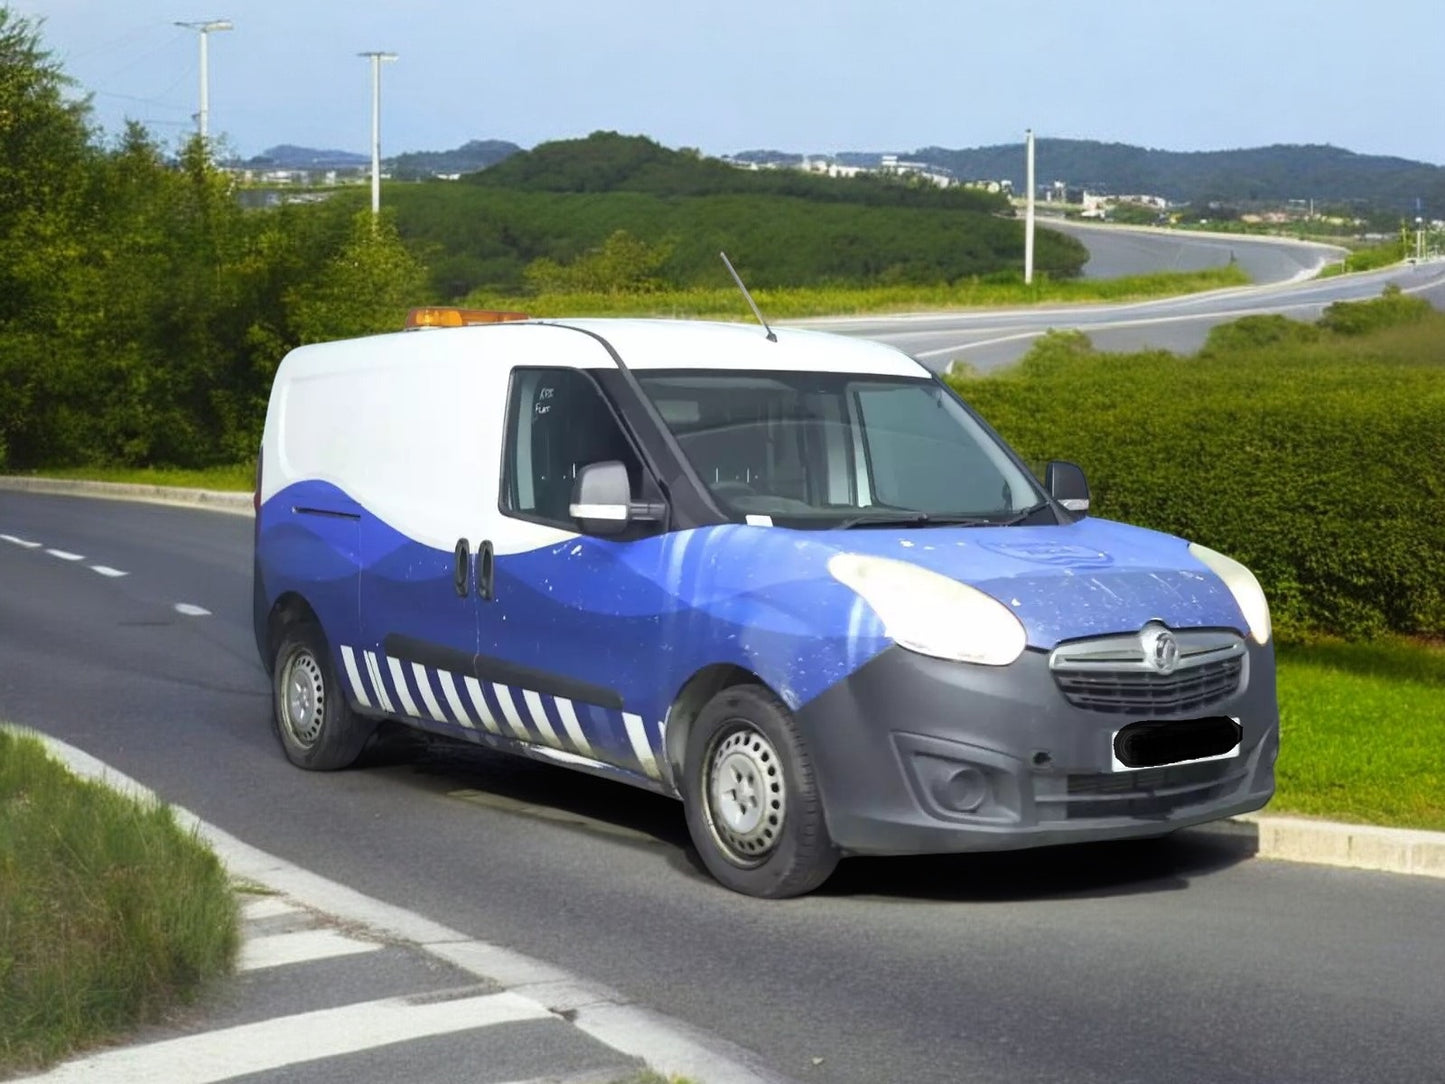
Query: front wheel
x,y
317,728
753,806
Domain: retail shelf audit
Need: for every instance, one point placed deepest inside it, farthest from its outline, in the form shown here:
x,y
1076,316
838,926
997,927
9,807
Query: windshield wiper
x,y
914,519
1019,517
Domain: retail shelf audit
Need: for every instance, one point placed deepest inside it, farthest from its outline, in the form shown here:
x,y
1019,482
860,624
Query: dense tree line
x,y
142,310
561,201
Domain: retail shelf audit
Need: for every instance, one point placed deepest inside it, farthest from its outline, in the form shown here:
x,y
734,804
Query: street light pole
x,y
376,58
1029,207
204,28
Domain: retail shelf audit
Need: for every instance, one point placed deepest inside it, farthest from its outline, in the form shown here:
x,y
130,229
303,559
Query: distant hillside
x,y
468,158
609,162
289,156
1261,174
561,201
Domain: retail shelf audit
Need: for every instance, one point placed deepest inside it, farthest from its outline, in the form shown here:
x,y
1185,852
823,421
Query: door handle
x,y
462,570
486,571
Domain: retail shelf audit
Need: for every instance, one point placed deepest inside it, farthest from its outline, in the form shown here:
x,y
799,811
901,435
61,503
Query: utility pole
x,y
1029,207
376,59
204,28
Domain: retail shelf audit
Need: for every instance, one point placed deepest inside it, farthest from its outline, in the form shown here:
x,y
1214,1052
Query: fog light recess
x,y
963,791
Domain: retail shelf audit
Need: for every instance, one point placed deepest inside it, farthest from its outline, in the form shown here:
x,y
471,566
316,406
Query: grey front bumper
x,y
916,755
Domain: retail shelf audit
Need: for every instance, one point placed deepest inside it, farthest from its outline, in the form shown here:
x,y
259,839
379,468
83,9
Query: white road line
x,y
20,541
106,570
289,1040
268,907
66,555
299,947
190,609
668,1045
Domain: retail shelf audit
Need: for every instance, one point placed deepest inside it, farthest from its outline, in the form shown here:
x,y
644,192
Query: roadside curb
x,y
215,499
668,1045
1413,852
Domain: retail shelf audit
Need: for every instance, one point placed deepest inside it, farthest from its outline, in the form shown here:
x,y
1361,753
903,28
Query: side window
x,y
557,423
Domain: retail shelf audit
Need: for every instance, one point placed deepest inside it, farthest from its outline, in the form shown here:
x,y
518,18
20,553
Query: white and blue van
x,y
790,579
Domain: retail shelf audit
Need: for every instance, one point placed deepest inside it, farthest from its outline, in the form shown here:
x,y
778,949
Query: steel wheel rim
x,y
303,698
746,800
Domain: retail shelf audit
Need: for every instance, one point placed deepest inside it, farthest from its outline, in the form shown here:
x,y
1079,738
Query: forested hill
x,y
609,162
1265,174
547,215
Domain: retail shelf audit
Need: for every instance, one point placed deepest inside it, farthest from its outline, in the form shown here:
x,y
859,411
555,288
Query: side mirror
x,y
1067,485
602,498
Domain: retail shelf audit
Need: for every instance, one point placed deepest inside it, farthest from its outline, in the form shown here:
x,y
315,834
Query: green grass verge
x,y
240,477
801,302
109,912
1362,727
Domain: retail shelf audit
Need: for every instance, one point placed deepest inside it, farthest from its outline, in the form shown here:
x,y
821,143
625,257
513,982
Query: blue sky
x,y
799,75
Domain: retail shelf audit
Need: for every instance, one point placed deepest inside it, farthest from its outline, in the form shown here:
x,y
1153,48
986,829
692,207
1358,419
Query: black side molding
x,y
486,668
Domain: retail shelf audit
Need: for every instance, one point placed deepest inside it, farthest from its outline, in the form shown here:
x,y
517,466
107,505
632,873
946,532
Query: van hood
x,y
1089,578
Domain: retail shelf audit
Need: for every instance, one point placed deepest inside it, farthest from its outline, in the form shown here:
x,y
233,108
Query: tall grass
x,y
109,912
806,301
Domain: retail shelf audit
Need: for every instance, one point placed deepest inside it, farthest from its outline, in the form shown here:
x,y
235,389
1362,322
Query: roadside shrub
x,y
1320,464
1253,332
1391,309
109,912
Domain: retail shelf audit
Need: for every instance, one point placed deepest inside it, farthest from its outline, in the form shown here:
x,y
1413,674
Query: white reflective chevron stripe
x,y
539,718
449,690
348,658
509,711
373,670
398,679
474,690
429,698
637,734
569,722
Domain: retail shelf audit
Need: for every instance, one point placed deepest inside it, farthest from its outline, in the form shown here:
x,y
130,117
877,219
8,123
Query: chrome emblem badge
x,y
1161,649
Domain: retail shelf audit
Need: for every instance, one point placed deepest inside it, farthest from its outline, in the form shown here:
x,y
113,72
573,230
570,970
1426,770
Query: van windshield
x,y
833,449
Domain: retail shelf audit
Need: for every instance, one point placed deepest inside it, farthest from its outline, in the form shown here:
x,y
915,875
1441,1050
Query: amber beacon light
x,y
446,316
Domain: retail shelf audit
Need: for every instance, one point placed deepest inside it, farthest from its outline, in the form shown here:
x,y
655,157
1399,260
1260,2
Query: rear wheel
x,y
753,807
317,728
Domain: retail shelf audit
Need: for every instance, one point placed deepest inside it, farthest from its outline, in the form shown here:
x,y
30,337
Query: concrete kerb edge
x,y
214,499
669,1046
1406,851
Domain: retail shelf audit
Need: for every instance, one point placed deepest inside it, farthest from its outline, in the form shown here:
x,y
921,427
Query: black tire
x,y
765,835
316,726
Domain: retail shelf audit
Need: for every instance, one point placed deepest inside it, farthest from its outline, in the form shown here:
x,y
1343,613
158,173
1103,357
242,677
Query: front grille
x,y
1114,675
1152,792
1139,692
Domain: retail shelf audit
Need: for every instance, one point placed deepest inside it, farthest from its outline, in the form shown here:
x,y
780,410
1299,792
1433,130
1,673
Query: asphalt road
x,y
1179,960
990,339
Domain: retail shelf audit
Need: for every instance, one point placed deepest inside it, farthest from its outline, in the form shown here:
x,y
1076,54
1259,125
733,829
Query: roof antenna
x,y
772,336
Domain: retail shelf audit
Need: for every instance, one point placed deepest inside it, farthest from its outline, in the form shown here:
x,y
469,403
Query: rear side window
x,y
558,422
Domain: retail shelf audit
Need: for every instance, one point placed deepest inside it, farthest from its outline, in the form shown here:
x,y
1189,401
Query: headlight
x,y
1242,585
932,614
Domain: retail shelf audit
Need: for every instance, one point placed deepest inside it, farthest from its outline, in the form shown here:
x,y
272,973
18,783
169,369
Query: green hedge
x,y
1315,456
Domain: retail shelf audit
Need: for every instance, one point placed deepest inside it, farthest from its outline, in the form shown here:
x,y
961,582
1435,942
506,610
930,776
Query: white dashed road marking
x,y
65,555
299,947
267,907
20,542
106,570
190,609
288,1040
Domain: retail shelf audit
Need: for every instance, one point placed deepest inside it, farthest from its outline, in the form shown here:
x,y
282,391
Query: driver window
x,y
558,422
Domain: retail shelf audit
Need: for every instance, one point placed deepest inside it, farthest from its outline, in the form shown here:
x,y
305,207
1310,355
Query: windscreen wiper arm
x,y
914,519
